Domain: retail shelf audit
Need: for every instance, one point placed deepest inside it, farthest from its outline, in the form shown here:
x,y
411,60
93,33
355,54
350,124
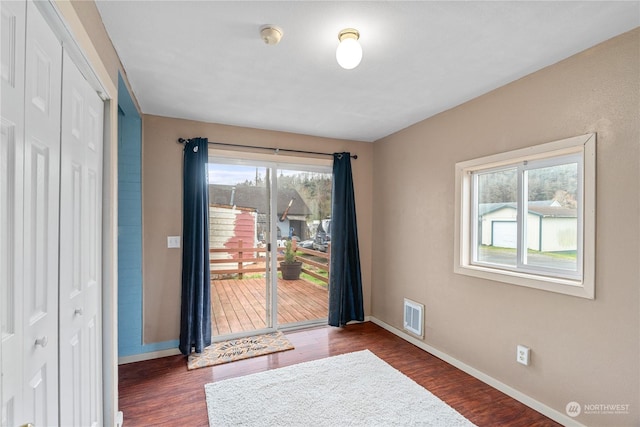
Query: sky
x,y
232,174
235,174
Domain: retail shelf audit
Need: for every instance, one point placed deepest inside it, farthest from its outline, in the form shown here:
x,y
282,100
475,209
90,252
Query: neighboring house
x,y
551,227
239,213
247,196
228,226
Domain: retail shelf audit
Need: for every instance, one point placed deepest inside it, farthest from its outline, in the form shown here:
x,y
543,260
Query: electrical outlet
x,y
522,355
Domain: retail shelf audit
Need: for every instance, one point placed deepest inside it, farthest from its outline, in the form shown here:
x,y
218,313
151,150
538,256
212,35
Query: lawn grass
x,y
313,279
571,255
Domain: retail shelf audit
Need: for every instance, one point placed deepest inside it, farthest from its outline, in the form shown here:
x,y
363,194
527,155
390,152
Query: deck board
x,y
239,305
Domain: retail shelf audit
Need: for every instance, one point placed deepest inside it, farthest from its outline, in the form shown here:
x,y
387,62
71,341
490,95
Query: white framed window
x,y
527,217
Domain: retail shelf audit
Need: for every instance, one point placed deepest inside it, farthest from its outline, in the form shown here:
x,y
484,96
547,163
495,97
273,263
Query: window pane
x,y
497,211
551,224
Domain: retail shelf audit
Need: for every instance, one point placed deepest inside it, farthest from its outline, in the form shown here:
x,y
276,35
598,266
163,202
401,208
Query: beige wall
x,y
87,11
582,350
162,206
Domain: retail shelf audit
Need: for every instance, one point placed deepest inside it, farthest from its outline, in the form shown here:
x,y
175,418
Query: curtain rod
x,y
276,150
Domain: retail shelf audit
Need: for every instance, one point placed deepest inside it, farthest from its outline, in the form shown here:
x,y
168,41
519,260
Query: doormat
x,y
238,349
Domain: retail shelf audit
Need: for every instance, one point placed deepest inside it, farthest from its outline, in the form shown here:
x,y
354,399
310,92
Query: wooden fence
x,y
326,256
251,256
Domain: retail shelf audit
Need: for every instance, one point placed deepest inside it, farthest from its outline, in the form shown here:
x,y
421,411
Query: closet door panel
x,y
93,231
80,254
43,81
73,182
12,47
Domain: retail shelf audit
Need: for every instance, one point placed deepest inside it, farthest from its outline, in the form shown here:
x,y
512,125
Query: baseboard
x,y
148,356
508,390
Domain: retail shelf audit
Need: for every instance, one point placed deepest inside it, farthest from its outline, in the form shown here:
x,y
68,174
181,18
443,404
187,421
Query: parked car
x,y
323,236
306,244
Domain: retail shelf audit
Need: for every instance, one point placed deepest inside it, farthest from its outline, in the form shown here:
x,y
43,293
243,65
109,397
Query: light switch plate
x,y
173,241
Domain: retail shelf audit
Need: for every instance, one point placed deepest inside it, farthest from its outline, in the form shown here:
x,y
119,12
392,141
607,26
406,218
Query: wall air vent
x,y
413,317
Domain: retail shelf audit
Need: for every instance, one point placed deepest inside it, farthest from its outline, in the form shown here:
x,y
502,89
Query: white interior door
x,y
80,251
13,15
41,207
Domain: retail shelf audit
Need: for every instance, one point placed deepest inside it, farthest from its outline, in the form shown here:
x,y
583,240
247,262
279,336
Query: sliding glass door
x,y
256,208
239,232
303,205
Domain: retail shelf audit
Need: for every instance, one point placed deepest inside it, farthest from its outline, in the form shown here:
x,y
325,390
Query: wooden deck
x,y
240,305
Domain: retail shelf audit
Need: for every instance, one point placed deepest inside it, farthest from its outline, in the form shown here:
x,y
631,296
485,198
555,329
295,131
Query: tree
x,y
558,182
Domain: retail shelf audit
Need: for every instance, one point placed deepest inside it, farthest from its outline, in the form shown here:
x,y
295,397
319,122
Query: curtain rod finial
x,y
182,140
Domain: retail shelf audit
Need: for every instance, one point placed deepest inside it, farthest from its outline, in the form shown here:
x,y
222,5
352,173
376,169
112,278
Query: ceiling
x,y
205,60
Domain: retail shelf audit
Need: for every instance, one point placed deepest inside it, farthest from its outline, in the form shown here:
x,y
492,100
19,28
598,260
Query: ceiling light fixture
x,y
349,51
271,34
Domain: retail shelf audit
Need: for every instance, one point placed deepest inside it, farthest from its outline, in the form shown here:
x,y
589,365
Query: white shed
x,y
550,227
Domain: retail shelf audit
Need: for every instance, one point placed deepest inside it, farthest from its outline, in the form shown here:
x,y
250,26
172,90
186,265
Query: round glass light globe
x,y
349,53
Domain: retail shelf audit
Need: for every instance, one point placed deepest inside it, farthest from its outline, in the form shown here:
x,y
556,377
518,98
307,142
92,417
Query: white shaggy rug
x,y
354,389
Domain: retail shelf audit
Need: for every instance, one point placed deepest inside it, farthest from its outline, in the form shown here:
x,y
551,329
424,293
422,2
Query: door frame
x,y
276,162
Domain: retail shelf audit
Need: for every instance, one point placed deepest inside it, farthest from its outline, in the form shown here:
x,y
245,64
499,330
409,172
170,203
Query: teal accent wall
x,y
130,230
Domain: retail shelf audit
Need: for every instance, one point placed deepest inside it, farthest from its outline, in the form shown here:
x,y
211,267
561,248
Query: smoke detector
x,y
271,34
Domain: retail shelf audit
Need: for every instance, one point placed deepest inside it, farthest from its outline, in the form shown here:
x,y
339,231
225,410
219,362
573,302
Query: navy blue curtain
x,y
345,281
195,315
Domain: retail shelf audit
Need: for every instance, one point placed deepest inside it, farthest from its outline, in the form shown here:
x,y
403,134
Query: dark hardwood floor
x,y
162,392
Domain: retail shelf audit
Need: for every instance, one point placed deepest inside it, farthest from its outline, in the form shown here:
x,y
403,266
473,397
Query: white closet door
x,y
50,347
80,251
43,82
12,39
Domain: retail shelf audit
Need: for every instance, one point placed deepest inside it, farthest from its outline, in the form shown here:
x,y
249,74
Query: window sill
x,y
582,289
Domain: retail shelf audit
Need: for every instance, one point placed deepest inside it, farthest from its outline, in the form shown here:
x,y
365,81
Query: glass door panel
x,y
303,220
239,233
255,206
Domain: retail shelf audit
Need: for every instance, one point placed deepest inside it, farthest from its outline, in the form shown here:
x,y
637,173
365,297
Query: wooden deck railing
x,y
326,256
241,259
